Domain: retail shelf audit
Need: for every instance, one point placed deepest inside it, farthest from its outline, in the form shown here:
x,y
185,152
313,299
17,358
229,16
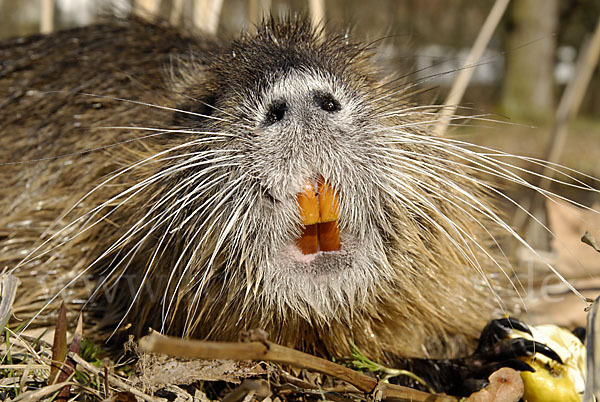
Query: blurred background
x,y
518,84
522,74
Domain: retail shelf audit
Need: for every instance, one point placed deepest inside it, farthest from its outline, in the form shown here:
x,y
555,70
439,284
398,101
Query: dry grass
x,y
32,369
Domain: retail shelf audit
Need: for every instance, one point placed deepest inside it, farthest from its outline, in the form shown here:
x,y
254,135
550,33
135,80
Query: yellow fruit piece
x,y
549,384
552,381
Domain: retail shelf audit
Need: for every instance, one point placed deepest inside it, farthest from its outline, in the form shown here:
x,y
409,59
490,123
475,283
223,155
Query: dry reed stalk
x,y
464,75
206,15
47,16
317,15
257,10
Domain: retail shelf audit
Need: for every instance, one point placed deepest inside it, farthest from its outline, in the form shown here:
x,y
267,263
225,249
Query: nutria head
x,y
283,185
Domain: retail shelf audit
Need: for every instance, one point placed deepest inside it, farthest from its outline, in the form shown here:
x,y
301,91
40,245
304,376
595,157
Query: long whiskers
x,y
476,162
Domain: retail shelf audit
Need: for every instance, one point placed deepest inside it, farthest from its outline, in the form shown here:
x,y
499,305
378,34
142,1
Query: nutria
x,y
276,181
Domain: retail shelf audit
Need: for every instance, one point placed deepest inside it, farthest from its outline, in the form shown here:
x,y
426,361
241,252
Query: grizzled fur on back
x,y
159,182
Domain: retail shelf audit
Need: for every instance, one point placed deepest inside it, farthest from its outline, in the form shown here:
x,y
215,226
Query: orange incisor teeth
x,y
309,206
319,212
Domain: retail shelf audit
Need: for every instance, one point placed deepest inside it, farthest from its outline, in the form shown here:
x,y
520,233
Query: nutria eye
x,y
276,112
327,102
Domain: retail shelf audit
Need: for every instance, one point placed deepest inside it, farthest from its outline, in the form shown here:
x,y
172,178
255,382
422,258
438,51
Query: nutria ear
x,y
193,86
194,111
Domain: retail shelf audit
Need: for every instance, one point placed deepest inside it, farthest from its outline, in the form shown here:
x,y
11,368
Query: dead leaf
x,y
8,291
59,346
69,366
590,240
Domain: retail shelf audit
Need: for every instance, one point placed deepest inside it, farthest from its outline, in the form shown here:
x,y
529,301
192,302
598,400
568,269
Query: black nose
x,y
276,111
326,101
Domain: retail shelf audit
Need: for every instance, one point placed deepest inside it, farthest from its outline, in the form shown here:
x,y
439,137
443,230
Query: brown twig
x,y
269,351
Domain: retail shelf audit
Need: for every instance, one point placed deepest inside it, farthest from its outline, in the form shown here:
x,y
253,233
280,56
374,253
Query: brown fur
x,y
427,300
